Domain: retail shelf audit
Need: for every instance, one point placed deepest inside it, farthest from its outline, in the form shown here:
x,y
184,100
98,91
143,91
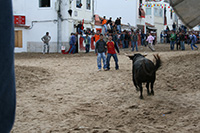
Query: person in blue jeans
x,y
134,39
182,40
172,40
7,76
115,38
193,41
87,41
111,46
122,37
100,50
72,43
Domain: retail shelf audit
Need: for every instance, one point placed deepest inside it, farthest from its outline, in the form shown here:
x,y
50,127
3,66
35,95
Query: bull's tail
x,y
158,62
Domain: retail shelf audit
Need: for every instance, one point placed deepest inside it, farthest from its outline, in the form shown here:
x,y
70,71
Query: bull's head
x,y
133,57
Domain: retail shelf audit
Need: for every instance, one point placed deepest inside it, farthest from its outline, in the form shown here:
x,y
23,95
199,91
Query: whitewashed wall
x,y
32,37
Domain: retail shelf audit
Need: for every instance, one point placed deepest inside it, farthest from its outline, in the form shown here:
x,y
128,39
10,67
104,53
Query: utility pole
x,y
59,18
93,17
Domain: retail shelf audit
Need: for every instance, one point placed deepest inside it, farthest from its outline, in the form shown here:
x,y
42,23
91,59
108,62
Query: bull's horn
x,y
127,54
145,54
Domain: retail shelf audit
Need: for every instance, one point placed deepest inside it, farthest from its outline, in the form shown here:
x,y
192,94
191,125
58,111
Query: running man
x,y
193,41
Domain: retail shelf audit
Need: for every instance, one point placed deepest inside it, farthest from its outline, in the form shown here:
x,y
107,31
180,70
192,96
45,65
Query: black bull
x,y
144,71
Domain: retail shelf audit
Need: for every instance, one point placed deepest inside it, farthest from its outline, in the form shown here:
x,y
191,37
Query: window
x,y
158,12
18,39
44,3
78,4
148,11
88,4
161,12
140,2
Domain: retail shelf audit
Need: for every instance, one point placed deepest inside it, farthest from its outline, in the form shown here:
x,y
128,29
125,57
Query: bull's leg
x,y
152,92
134,82
147,85
141,90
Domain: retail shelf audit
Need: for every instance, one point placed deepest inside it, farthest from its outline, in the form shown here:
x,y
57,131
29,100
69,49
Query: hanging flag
x,y
82,24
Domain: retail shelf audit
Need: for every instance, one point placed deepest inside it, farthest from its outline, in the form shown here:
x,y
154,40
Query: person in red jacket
x,y
111,46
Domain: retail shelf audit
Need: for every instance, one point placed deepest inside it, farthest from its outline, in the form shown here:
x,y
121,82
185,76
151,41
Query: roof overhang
x,y
188,11
22,26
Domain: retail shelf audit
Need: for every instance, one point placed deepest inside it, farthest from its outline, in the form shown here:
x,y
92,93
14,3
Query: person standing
x,y
143,37
46,40
115,38
72,43
122,37
178,44
96,37
111,46
79,28
104,24
172,40
126,38
182,40
167,28
165,37
193,41
87,41
154,41
109,22
150,42
174,27
7,76
76,42
100,50
134,41
119,24
161,37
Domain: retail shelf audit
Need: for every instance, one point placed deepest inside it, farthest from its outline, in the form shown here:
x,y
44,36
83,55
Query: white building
x,y
155,15
51,16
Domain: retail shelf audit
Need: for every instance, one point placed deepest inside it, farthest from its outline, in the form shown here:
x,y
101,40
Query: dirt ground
x,y
66,94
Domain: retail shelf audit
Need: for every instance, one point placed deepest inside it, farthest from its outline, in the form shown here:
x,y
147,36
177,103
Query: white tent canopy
x,y
188,11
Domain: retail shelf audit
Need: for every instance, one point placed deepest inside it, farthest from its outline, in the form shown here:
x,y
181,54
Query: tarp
x,y
188,11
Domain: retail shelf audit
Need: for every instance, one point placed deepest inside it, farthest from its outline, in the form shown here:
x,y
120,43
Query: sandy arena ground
x,y
66,94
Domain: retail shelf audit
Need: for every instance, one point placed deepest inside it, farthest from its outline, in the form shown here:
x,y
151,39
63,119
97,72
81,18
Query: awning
x,y
188,11
151,28
22,26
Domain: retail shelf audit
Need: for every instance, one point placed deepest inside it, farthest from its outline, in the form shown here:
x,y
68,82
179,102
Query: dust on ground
x,y
66,94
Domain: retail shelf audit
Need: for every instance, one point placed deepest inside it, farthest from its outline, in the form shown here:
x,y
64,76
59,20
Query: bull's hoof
x,y
148,94
152,93
141,97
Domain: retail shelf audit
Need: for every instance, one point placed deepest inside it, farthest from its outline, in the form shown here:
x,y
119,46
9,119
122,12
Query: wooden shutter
x,y
18,39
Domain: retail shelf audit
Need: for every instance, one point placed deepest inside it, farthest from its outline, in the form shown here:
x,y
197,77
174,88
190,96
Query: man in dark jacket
x,y
182,40
7,76
127,39
100,50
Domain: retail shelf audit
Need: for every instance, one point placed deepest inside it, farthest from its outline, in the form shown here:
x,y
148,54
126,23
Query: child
x,y
111,46
150,42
